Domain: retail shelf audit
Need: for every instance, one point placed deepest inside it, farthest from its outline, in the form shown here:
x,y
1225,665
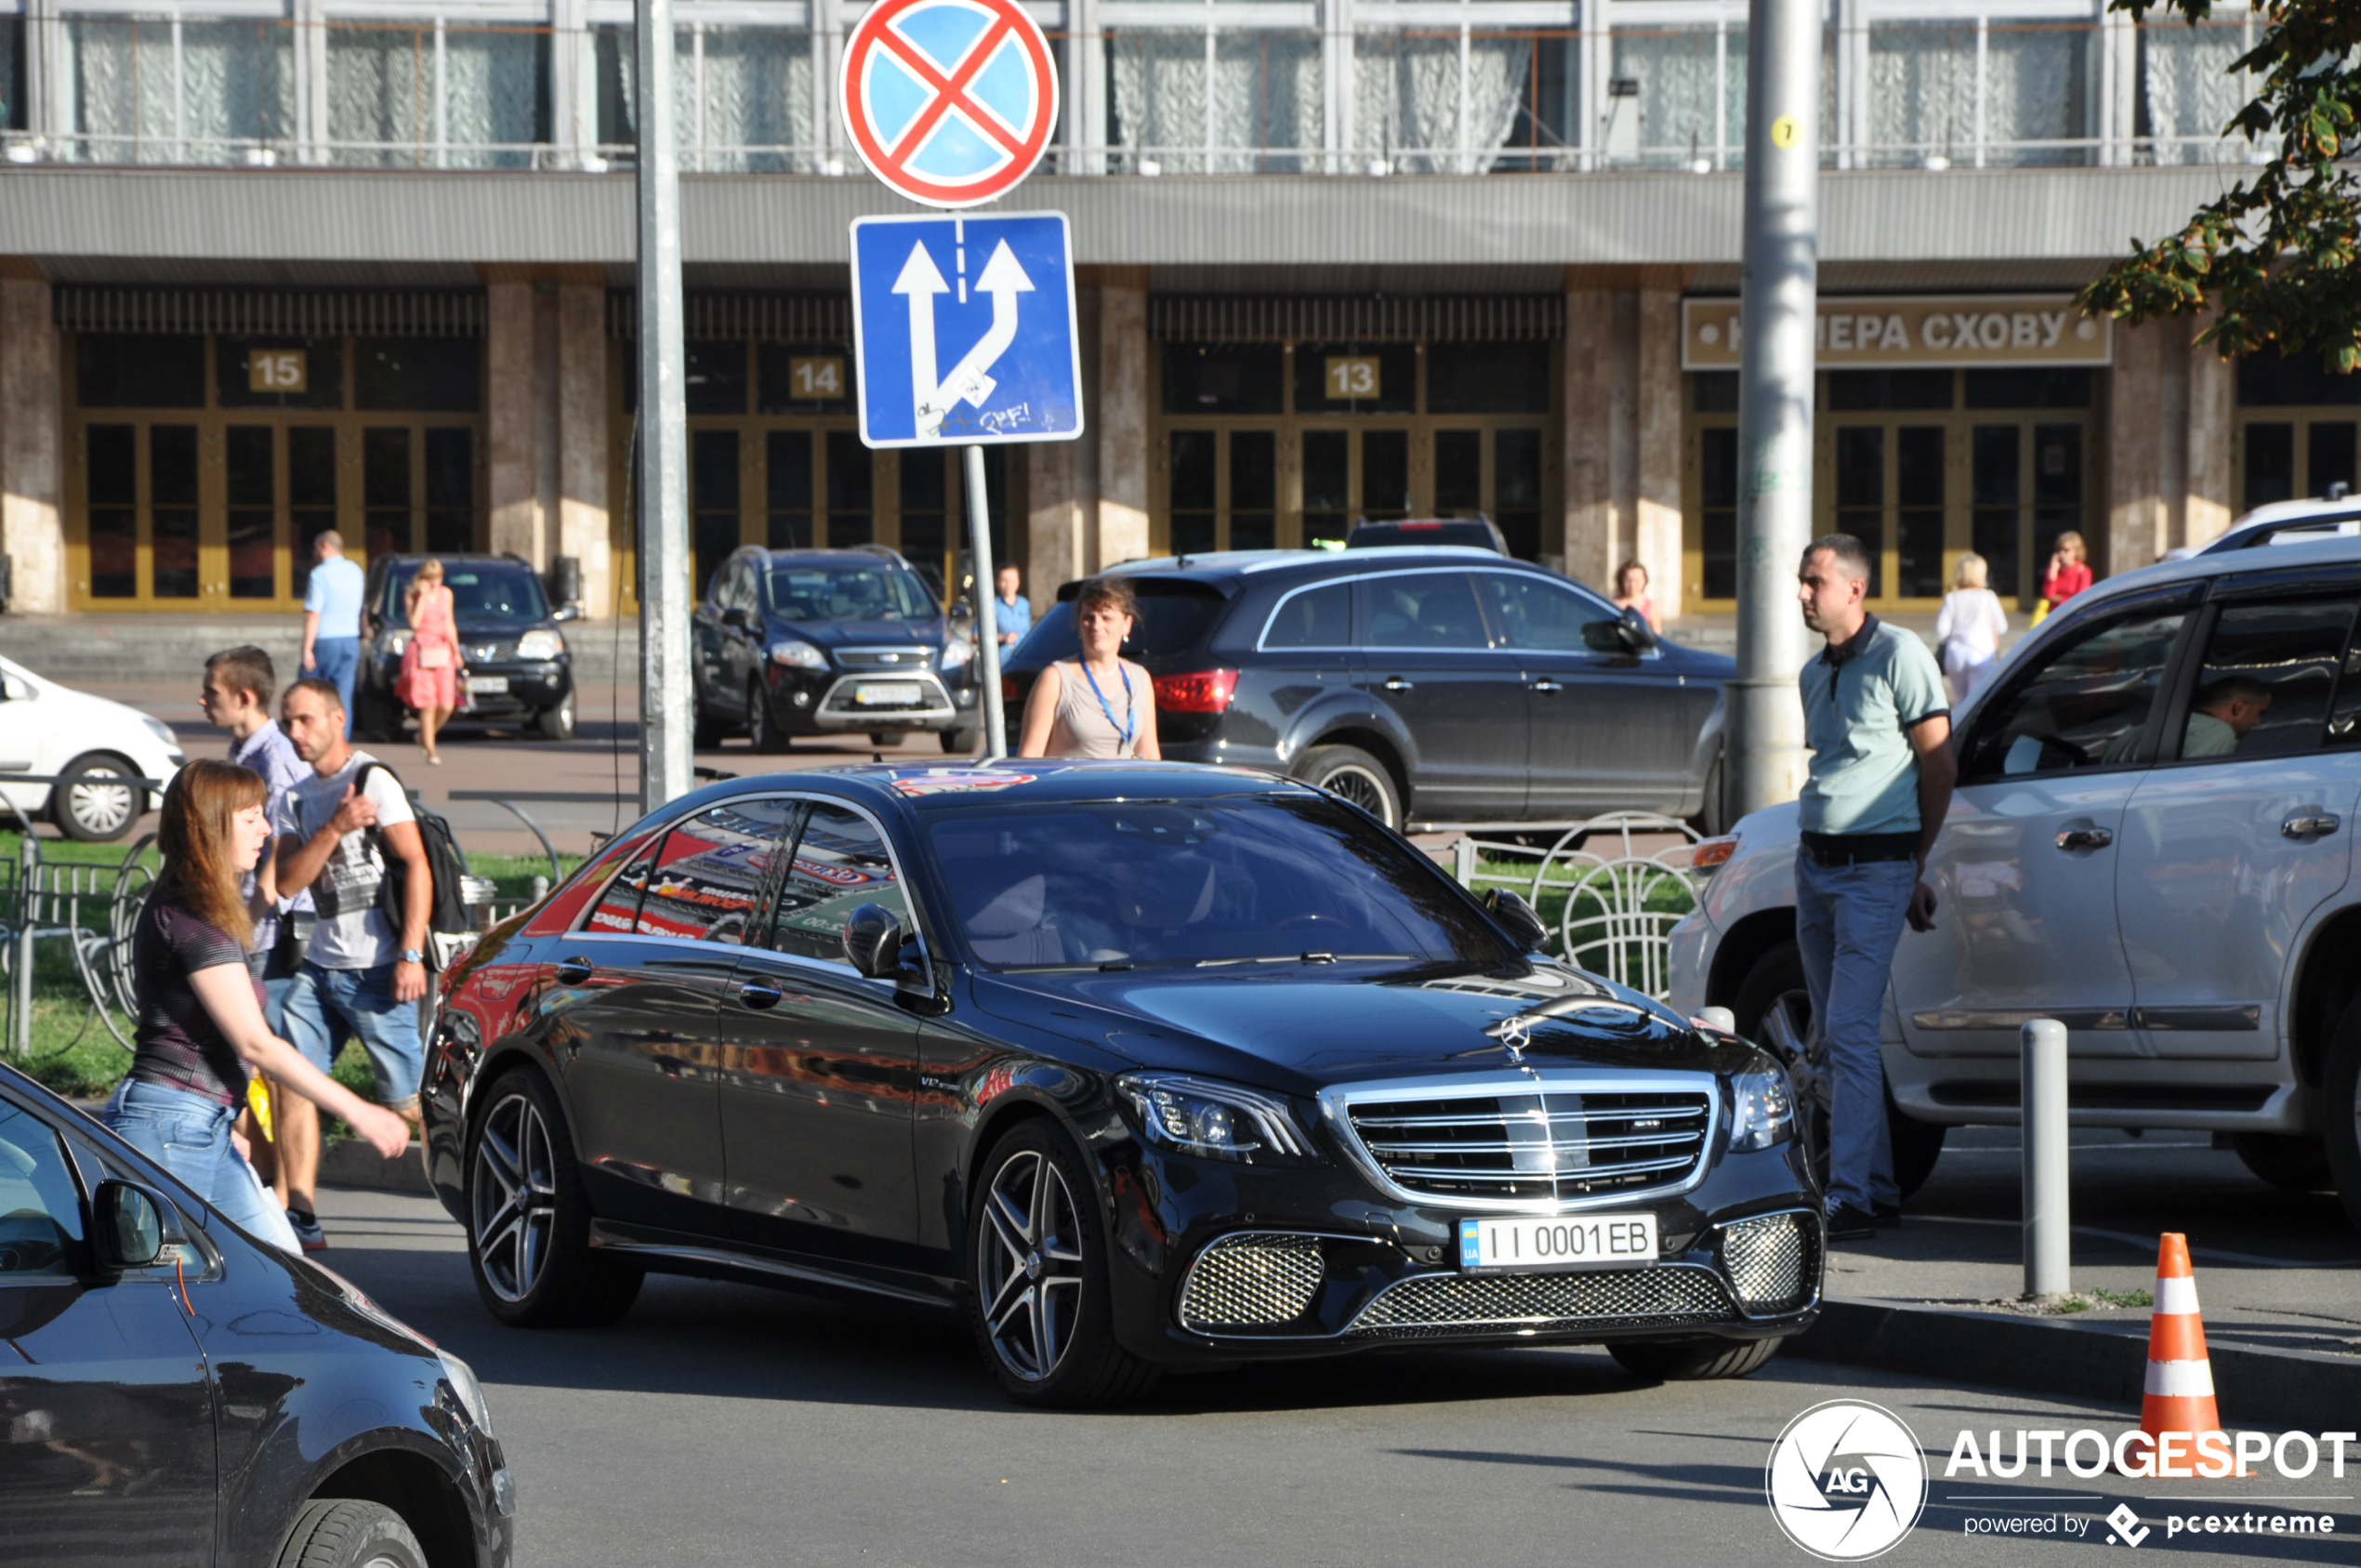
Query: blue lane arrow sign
x,y
995,295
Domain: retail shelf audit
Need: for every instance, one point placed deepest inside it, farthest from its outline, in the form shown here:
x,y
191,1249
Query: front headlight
x,y
957,653
160,729
799,655
395,642
1763,1107
540,645
1225,1121
468,1391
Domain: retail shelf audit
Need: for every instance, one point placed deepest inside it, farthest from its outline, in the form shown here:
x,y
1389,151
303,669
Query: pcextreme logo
x,y
1846,1481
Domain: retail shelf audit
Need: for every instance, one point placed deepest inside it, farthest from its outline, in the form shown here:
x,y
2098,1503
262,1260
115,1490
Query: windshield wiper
x,y
1307,958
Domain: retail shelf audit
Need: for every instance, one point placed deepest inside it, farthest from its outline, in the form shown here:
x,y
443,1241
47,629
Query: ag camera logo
x,y
1846,1481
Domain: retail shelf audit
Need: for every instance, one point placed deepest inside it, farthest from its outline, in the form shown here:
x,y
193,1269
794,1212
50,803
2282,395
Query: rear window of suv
x,y
1175,617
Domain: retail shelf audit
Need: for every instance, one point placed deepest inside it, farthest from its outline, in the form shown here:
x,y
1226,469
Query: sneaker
x,y
1886,1215
1849,1224
308,1232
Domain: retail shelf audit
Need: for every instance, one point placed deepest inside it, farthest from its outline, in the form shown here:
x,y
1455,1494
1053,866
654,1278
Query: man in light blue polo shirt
x,y
1878,723
332,619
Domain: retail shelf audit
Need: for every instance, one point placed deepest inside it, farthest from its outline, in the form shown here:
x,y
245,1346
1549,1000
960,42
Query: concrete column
x,y
32,524
1124,393
1657,420
1056,522
511,416
1602,433
2209,506
2136,516
581,520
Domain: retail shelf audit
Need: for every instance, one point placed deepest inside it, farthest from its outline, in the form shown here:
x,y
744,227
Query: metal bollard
x,y
2049,1261
22,1045
540,889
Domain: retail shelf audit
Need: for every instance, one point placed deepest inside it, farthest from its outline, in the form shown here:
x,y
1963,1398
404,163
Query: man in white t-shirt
x,y
362,976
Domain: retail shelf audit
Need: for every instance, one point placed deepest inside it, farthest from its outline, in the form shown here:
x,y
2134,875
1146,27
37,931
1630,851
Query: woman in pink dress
x,y
431,668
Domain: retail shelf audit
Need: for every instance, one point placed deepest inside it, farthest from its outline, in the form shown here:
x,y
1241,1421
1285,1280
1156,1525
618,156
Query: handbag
x,y
434,656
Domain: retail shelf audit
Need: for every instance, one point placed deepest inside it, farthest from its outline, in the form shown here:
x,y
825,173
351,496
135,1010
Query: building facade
x,y
269,266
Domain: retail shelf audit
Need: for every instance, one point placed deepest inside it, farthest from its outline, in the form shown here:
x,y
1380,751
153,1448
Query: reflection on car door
x,y
110,1450
820,1064
2228,849
1604,731
2024,870
1429,657
633,1020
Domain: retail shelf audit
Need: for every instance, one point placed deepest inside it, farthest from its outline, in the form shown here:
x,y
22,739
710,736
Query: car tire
x,y
704,729
1713,812
1774,1011
529,1216
964,740
883,738
1037,1299
762,730
349,1532
1690,1361
93,812
2287,1161
372,721
1356,776
556,723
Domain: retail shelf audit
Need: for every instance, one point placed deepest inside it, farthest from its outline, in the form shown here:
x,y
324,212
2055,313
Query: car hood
x,y
863,634
1292,1031
125,728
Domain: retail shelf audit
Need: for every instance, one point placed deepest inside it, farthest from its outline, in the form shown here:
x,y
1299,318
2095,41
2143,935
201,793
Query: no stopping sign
x,y
951,103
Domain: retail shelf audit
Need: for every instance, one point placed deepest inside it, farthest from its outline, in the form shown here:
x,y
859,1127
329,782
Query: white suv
x,y
2141,846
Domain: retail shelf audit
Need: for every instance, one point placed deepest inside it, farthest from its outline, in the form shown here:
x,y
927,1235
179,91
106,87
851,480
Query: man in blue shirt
x,y
1013,616
332,619
1878,721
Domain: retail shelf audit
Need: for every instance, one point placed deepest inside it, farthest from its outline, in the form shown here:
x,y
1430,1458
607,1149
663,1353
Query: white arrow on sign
x,y
1004,277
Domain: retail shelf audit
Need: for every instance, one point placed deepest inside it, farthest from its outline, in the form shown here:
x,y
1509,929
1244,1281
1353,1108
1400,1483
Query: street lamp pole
x,y
1776,310
665,701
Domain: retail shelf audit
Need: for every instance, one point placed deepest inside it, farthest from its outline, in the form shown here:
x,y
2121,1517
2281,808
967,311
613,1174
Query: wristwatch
x,y
412,956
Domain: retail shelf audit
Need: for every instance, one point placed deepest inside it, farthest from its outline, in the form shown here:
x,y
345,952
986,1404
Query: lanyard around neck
x,y
1130,709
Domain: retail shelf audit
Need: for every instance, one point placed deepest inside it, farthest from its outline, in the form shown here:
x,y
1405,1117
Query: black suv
x,y
827,643
1443,684
520,674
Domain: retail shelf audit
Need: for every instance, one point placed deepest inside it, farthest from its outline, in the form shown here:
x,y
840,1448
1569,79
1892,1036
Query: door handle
x,y
573,971
2085,838
1545,684
2308,827
1395,683
756,994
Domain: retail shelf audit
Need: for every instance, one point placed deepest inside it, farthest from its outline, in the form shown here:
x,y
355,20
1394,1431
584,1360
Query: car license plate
x,y
1519,1245
479,684
886,693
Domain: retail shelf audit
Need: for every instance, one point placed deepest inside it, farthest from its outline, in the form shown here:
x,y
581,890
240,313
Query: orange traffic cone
x,y
2179,1393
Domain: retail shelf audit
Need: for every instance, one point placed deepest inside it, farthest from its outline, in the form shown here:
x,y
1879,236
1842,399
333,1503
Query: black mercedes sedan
x,y
520,673
1137,1065
828,642
1424,682
180,1393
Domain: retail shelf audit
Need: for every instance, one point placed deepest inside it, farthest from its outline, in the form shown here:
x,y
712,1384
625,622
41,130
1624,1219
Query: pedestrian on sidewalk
x,y
430,670
332,619
1099,704
1969,628
240,689
1879,727
200,1029
1013,616
364,974
2068,574
1632,593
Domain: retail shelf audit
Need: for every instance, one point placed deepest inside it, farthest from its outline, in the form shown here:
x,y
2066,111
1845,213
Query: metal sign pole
x,y
665,701
996,723
1777,306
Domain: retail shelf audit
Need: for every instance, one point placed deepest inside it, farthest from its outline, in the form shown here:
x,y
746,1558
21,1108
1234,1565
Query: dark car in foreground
x,y
1427,684
520,673
180,1393
1140,1065
828,642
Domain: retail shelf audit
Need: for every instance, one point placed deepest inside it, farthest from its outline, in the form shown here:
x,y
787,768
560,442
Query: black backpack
x,y
447,911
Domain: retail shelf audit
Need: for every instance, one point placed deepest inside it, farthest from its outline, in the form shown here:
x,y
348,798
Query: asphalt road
x,y
723,1425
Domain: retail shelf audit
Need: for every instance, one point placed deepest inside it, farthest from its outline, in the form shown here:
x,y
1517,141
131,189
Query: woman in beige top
x,y
1100,704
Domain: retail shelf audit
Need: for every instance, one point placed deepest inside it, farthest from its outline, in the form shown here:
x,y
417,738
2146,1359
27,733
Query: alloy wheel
x,y
1358,786
758,717
513,1197
1029,1264
101,810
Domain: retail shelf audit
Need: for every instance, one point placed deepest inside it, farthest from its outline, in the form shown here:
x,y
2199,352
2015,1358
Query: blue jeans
x,y
188,1135
1847,920
327,1006
338,659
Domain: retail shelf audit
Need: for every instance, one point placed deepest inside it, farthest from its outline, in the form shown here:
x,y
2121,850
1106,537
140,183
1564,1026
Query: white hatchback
x,y
48,730
2152,842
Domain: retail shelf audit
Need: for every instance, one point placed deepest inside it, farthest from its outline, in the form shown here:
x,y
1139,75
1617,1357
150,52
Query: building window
x,y
2296,428
435,95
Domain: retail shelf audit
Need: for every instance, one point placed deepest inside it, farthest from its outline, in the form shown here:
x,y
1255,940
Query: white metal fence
x,y
1609,888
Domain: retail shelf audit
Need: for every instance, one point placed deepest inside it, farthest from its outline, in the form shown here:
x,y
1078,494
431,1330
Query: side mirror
x,y
1635,632
1626,635
873,941
135,1225
15,691
566,613
1522,920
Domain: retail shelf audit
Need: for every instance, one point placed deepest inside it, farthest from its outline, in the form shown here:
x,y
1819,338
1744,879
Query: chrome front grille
x,y
1443,1304
896,659
1767,1260
1546,1144
1251,1280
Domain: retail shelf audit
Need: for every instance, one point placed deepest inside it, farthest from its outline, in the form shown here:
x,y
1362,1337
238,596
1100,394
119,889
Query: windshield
x,y
1174,618
1232,881
882,592
480,591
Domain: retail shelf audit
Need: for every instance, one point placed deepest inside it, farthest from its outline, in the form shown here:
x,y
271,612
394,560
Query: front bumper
x,y
817,702
535,687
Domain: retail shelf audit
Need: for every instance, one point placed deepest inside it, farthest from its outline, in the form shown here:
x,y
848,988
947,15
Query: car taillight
x,y
1204,690
1007,690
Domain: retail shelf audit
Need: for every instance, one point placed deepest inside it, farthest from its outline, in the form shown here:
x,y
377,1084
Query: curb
x,y
2299,1389
349,1162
